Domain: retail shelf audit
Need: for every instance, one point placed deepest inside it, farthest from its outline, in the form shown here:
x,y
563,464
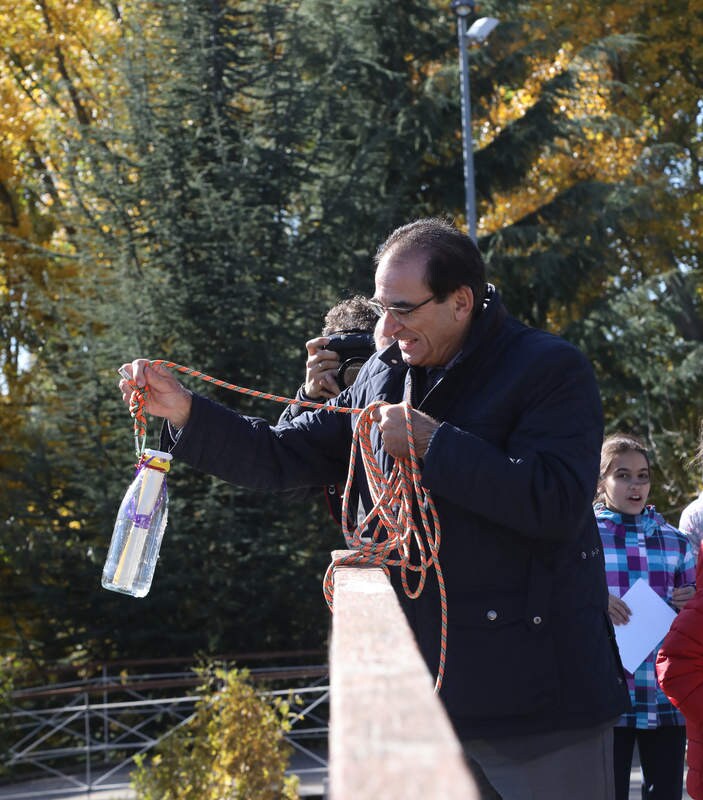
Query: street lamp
x,y
476,34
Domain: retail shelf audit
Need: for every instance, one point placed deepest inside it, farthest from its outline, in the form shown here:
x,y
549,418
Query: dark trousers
x,y
531,768
662,752
485,788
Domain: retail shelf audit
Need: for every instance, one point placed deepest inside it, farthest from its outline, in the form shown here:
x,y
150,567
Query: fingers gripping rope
x,y
395,500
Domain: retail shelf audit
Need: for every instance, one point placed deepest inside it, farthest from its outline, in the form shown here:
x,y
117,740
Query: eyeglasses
x,y
397,312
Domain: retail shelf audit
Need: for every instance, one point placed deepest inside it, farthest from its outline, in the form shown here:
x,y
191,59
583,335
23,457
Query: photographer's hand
x,y
321,370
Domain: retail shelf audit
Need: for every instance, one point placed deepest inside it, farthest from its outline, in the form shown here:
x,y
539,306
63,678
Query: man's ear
x,y
463,303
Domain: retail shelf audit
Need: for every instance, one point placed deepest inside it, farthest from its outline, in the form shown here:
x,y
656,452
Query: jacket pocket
x,y
500,658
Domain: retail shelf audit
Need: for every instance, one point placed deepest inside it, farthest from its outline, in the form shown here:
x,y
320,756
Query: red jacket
x,y
680,672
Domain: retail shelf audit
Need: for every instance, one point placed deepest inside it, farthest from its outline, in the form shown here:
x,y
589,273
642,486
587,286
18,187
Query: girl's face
x,y
625,487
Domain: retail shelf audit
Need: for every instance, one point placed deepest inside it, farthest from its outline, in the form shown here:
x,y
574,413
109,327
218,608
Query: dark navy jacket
x,y
512,470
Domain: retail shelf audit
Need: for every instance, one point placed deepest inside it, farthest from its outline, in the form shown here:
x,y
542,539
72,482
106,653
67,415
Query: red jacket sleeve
x,y
680,659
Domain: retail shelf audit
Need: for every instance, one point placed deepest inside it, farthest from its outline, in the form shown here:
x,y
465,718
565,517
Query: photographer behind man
x,y
335,357
508,426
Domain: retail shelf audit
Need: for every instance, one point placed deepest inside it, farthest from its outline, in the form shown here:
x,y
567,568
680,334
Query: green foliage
x,y
12,671
647,354
232,747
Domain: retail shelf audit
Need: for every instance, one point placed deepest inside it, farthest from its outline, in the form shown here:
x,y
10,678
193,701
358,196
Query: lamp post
x,y
477,33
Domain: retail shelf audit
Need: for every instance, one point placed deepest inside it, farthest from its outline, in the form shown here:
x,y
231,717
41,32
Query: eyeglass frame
x,y
396,312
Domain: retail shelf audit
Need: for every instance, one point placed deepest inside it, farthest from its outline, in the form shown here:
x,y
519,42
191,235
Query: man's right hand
x,y
321,370
166,396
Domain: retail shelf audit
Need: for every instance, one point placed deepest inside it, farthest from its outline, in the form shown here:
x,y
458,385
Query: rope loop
x,y
397,500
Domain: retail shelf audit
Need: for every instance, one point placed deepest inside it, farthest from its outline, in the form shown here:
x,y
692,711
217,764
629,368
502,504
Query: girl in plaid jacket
x,y
639,543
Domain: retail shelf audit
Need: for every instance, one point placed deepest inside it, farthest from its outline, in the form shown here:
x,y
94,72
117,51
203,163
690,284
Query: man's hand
x,y
166,396
618,610
321,370
391,423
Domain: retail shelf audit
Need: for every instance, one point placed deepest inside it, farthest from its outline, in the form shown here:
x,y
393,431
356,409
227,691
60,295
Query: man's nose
x,y
390,325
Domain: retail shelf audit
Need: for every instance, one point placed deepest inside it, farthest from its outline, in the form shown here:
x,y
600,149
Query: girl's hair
x,y
612,446
697,460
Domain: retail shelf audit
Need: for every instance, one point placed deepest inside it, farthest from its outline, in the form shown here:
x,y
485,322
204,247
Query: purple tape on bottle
x,y
144,520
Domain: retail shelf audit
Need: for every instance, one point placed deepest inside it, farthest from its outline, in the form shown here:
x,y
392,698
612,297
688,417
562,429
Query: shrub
x,y
232,747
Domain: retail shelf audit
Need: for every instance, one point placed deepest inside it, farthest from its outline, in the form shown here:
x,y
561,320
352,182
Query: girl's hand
x,y
618,610
681,596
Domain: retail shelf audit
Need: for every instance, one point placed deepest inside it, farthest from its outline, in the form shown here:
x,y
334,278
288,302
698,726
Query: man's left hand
x,y
391,423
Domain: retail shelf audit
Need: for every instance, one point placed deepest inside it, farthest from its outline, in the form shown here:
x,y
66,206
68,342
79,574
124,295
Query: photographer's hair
x,y
612,446
351,315
453,260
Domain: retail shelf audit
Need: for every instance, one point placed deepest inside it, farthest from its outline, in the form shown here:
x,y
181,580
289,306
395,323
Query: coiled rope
x,y
394,500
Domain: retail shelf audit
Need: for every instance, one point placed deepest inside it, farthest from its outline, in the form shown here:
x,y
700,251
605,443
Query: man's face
x,y
431,335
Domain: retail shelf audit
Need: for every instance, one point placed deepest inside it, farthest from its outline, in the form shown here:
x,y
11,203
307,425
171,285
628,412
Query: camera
x,y
354,350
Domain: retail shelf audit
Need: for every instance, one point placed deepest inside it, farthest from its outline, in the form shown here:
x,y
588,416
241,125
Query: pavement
x,y
50,788
116,786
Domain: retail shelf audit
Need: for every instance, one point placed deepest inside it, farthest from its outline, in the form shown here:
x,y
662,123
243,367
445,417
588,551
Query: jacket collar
x,y
485,325
650,520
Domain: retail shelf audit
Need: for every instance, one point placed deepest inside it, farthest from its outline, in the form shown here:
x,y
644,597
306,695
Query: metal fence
x,y
83,734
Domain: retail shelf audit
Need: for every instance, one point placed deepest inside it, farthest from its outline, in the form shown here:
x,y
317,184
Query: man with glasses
x,y
508,424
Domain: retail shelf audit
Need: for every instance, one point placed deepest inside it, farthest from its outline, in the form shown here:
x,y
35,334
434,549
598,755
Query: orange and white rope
x,y
394,498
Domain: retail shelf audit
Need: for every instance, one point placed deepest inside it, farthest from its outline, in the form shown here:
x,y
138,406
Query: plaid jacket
x,y
645,546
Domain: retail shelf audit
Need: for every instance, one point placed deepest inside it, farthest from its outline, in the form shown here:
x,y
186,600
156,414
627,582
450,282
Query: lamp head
x,y
481,29
462,8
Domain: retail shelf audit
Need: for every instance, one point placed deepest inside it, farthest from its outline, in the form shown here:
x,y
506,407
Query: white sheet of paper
x,y
650,621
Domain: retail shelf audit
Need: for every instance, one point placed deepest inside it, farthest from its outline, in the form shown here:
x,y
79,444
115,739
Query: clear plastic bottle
x,y
139,528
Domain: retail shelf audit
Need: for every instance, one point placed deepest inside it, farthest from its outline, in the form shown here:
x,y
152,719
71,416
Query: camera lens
x,y
346,375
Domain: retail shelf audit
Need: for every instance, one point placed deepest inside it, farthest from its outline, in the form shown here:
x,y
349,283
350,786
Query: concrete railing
x,y
390,737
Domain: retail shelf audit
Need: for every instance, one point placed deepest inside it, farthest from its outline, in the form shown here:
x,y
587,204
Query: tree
x,y
589,183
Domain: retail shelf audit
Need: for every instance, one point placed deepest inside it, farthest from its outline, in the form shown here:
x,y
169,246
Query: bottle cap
x,y
157,459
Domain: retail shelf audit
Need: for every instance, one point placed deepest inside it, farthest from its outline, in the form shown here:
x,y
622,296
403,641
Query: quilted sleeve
x,y
680,661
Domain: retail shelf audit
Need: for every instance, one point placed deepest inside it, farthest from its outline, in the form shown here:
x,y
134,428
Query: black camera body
x,y
354,350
